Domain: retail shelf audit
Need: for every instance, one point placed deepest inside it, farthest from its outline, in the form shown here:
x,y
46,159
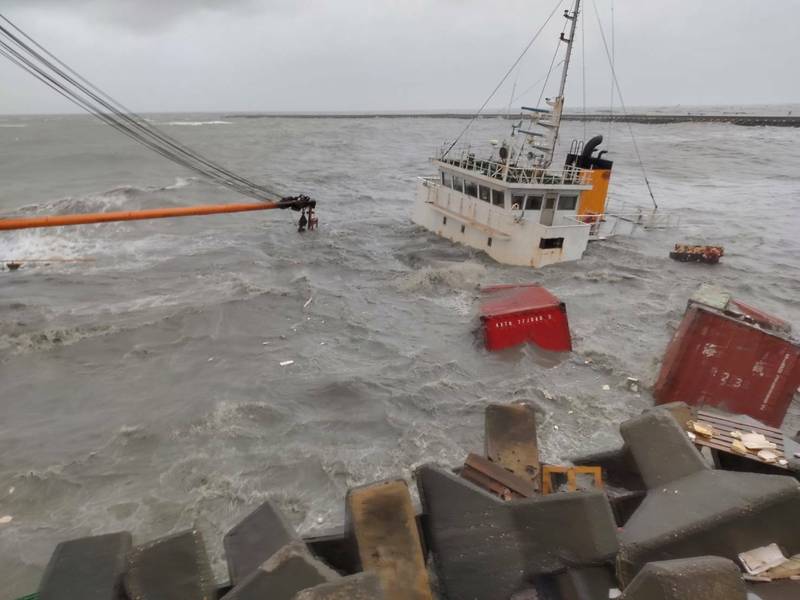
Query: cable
x,y
583,69
90,98
622,105
502,81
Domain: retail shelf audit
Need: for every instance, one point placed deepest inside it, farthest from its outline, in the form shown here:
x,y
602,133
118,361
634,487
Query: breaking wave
x,y
197,123
457,276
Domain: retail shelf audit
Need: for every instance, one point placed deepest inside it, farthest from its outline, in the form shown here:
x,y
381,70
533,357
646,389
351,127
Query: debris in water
x,y
6,520
308,302
632,384
211,359
606,387
286,363
11,490
705,254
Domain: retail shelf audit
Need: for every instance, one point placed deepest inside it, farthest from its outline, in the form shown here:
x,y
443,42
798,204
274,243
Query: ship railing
x,y
473,209
609,224
569,175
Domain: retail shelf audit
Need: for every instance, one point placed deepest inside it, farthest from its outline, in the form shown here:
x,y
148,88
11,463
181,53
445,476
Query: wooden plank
x,y
518,485
382,520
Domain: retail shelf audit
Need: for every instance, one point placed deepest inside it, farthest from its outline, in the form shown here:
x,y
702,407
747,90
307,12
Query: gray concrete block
x,y
784,589
253,540
589,583
691,510
287,572
661,449
488,549
362,586
170,568
89,568
704,577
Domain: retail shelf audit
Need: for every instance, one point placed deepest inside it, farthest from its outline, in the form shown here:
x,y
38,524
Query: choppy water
x,y
143,391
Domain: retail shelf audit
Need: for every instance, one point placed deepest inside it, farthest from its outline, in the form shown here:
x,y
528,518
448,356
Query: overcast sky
x,y
350,55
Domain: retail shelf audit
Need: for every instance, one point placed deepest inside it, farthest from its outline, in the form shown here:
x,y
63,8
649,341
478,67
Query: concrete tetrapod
x,y
381,519
175,567
253,540
692,510
287,572
88,568
487,549
699,578
362,586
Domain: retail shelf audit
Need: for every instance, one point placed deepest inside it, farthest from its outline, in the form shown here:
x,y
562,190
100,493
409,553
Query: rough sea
x,y
142,389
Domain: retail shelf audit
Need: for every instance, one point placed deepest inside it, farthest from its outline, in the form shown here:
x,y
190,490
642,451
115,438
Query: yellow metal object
x,y
593,202
572,477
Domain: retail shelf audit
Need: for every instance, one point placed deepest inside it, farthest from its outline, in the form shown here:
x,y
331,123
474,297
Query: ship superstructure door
x,y
548,209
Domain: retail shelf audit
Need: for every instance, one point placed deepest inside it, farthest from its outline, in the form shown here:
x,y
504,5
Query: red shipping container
x,y
514,314
729,355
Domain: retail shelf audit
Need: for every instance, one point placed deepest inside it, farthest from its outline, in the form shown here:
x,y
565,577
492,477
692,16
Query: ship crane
x,y
25,52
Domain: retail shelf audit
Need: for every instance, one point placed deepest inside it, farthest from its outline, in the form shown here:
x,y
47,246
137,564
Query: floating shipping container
x,y
731,356
515,314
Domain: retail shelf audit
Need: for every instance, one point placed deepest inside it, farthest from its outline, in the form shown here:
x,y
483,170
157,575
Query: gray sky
x,y
345,55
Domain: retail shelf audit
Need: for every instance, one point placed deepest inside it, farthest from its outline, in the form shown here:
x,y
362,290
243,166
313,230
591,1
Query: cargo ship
x,y
514,205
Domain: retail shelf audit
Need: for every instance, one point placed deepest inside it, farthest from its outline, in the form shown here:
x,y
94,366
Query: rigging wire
x,y
583,68
90,98
613,62
503,80
622,106
552,65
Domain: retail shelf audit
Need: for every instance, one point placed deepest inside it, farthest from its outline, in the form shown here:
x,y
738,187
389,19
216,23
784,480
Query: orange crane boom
x,y
296,203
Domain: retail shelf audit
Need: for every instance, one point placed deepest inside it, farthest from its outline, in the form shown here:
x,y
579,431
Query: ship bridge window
x,y
498,198
567,202
458,184
533,203
447,181
471,188
551,243
485,193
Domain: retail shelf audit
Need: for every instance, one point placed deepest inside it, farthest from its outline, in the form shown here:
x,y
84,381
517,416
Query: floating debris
x,y
286,363
703,254
6,519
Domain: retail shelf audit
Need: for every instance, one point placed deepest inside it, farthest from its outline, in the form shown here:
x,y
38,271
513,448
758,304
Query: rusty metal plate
x,y
382,520
511,441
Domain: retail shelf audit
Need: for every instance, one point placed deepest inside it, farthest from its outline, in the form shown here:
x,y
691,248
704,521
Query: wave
x,y
197,123
462,276
12,125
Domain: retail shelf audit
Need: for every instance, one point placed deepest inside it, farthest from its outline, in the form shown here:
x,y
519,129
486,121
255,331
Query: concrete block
x,y
589,583
655,437
89,568
257,537
691,510
287,572
704,577
336,548
487,549
784,589
170,568
511,439
362,586
382,521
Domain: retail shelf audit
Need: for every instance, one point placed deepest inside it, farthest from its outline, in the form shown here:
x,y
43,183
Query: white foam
x,y
197,123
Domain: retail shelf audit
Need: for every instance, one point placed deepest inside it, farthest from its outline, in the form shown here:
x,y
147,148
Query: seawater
x,y
143,391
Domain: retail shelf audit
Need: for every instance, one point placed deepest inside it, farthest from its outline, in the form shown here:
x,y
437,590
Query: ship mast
x,y
550,120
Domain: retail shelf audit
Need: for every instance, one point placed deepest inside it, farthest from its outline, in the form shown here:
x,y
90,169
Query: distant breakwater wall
x,y
646,119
